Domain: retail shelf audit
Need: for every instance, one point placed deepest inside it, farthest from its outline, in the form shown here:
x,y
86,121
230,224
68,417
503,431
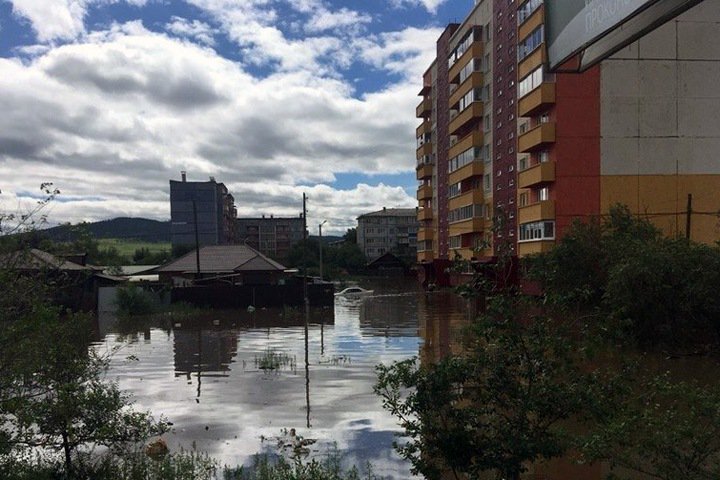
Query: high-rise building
x,y
388,230
510,154
207,203
272,236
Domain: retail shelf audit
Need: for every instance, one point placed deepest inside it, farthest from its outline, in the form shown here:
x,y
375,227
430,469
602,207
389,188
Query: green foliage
x,y
666,430
338,260
655,290
133,300
350,235
264,468
502,403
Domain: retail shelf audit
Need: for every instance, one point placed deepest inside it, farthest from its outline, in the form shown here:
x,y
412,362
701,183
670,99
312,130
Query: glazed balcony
x,y
476,50
424,233
424,170
543,210
425,256
475,139
465,253
531,23
532,61
424,214
475,80
463,227
424,193
471,114
536,175
472,197
537,246
423,110
537,137
424,129
537,100
472,169
424,150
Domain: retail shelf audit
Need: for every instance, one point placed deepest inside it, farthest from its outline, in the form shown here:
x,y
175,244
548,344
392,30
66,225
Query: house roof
x,y
35,259
392,212
223,259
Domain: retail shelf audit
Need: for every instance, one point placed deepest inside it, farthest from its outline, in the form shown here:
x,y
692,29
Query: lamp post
x,y
321,262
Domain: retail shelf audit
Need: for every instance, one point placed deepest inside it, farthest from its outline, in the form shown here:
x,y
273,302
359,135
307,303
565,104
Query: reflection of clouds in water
x,y
246,403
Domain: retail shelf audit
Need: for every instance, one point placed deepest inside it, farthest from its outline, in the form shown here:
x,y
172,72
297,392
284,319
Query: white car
x,y
354,292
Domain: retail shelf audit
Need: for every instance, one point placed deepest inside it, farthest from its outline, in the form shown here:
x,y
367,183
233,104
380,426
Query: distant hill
x,y
142,229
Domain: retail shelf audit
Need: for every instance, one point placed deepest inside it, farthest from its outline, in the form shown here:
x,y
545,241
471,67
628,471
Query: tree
x,y
350,235
500,404
53,393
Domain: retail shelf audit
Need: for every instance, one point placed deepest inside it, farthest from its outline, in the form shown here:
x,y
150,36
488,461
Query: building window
x,y
533,41
537,231
527,9
543,194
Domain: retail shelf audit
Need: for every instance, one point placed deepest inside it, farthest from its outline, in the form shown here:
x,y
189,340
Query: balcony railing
x,y
536,137
536,175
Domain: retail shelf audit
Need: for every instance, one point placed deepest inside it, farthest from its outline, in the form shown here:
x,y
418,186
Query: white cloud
x,y
430,5
53,19
195,29
407,52
118,114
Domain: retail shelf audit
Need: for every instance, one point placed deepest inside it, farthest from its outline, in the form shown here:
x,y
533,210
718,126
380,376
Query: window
x,y
537,231
455,242
527,46
464,158
465,213
486,182
531,82
544,156
454,190
464,44
527,9
543,194
523,199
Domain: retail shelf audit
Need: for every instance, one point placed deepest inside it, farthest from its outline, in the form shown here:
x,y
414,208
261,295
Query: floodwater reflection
x,y
230,379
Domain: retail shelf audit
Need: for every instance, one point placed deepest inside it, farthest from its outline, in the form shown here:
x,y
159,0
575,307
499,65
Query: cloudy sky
x,y
109,99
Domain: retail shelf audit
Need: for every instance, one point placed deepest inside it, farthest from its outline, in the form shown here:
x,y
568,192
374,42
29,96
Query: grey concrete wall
x,y
660,100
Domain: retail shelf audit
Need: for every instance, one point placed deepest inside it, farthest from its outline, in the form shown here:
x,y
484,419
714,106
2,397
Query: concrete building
x,y
509,154
273,236
208,202
388,230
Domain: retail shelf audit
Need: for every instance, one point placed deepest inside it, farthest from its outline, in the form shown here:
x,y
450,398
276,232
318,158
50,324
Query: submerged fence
x,y
228,296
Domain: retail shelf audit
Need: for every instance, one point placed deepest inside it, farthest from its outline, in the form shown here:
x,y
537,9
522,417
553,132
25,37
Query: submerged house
x,y
75,283
222,264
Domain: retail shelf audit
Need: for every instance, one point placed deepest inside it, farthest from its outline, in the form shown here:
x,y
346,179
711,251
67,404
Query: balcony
x,y
424,214
475,51
465,253
424,109
463,227
531,23
537,174
544,210
423,150
532,61
537,100
473,197
537,137
539,246
424,170
424,234
424,193
471,114
472,169
425,256
475,139
475,80
424,129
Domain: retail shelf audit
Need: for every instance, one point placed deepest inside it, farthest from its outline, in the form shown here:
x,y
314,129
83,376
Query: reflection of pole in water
x,y
199,363
322,335
307,373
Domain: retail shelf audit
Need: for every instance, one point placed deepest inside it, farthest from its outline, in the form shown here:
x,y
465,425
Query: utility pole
x,y
321,263
197,240
304,257
688,221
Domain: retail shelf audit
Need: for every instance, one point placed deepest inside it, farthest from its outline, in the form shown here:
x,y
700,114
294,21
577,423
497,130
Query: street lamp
x,y
321,263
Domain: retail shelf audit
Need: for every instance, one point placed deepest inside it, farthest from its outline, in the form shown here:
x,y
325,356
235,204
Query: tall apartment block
x,y
388,230
510,154
272,236
208,202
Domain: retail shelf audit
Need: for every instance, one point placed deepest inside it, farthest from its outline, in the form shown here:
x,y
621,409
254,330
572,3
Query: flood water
x,y
209,375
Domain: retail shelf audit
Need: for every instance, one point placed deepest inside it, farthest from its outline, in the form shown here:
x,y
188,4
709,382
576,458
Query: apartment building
x,y
203,208
388,230
272,236
510,154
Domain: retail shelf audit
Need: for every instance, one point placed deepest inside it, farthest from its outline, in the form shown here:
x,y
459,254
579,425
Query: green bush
x,y
133,300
